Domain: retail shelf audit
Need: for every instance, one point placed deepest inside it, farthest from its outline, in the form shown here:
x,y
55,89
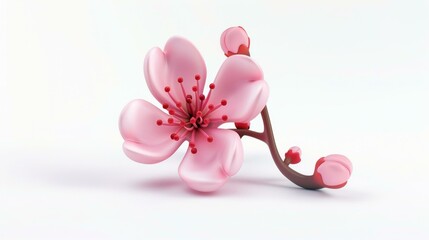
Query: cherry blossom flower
x,y
176,77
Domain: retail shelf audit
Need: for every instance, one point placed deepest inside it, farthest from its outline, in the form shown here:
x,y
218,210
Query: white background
x,y
347,77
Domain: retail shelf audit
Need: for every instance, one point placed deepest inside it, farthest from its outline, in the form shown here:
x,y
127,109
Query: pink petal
x,y
180,58
214,163
340,159
240,81
145,141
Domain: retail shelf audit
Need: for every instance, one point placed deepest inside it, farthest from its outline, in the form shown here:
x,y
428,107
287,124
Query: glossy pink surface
x,y
176,78
334,170
214,163
232,38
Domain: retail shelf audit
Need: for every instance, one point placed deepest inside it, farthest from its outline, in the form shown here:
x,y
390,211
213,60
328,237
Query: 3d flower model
x,y
176,77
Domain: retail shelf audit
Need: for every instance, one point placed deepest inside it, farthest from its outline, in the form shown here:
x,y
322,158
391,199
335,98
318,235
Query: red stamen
x,y
202,97
197,77
224,117
212,108
159,122
165,105
195,89
170,120
175,136
180,80
176,115
184,134
167,89
191,110
192,142
211,86
172,124
194,150
209,138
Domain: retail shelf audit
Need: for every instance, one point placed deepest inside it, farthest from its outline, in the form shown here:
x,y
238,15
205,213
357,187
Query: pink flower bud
x,y
293,155
333,171
234,40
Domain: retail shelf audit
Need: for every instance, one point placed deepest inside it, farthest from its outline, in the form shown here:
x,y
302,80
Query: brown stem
x,y
267,136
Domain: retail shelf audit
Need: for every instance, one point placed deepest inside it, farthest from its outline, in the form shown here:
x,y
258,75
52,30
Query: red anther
x,y
159,122
224,117
179,105
171,112
199,114
173,136
197,77
194,150
211,106
194,88
188,99
210,139
223,102
191,145
170,120
189,96
165,105
180,80
167,89
202,97
212,86
192,120
176,137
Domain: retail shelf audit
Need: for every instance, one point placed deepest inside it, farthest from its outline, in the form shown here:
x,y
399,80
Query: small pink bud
x,y
333,171
235,40
293,155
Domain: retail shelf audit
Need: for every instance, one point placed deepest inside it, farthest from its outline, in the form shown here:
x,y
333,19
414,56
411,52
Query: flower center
x,y
193,113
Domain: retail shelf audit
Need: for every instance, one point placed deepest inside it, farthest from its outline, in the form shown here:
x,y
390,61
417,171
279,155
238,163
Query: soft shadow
x,y
284,185
161,183
237,186
281,184
173,186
